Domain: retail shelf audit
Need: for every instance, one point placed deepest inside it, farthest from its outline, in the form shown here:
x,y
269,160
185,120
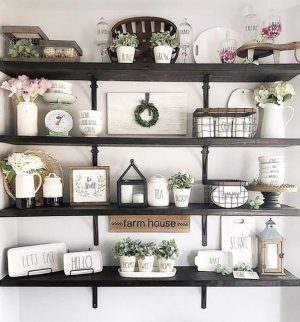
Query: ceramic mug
x,y
90,121
89,114
205,127
224,127
271,158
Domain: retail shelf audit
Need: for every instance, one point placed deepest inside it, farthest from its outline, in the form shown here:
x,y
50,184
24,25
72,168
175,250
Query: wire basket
x,y
225,122
226,193
23,42
60,50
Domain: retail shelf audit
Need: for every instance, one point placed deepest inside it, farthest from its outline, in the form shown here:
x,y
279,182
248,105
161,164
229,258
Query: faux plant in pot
x,y
125,251
163,44
125,45
181,185
167,251
145,256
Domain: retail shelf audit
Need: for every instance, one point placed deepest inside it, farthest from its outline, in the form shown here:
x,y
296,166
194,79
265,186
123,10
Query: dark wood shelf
x,y
193,209
186,276
144,142
151,72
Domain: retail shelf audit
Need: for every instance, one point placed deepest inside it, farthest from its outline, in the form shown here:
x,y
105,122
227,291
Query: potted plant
x,y
125,251
26,91
181,185
166,252
125,44
24,48
271,98
163,44
145,256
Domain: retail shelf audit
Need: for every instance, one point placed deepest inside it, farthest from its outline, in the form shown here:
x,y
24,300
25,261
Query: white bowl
x,y
90,130
271,176
272,182
59,98
273,165
59,86
89,114
271,159
90,121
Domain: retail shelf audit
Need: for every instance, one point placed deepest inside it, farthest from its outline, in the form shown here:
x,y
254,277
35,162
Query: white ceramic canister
x,y
158,192
27,119
52,191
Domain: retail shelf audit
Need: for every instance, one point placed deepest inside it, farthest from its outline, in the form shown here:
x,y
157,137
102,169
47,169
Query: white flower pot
x,y
125,54
146,264
127,263
166,265
27,119
273,124
182,197
163,54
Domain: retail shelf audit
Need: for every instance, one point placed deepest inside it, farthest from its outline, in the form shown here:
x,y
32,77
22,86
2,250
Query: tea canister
x,y
52,191
158,192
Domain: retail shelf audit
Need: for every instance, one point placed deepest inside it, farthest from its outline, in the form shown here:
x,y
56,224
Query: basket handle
x,y
7,190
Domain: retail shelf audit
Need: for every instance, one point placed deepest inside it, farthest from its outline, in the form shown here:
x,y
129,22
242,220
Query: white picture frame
x,y
89,186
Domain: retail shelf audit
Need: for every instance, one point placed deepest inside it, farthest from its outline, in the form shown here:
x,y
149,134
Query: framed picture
x,y
89,186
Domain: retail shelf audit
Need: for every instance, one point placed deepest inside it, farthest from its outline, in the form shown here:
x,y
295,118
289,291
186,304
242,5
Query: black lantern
x,y
132,192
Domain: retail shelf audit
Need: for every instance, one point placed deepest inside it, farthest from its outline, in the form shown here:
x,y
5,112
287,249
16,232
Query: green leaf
x,y
287,97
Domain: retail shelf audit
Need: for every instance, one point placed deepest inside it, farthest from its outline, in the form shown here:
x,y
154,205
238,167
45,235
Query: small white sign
x,y
246,275
35,260
207,260
83,262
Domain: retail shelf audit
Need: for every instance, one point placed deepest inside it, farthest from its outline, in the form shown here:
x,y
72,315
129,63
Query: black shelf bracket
x,y
206,88
204,153
95,230
204,230
95,297
203,297
94,87
95,152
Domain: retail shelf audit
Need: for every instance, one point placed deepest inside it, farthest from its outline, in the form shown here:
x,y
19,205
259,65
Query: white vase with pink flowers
x,y
26,91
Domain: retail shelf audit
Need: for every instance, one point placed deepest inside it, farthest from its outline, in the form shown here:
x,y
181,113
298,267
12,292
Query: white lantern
x,y
270,255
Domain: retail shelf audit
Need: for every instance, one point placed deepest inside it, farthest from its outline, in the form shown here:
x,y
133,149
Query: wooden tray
x,y
266,188
143,28
154,274
260,50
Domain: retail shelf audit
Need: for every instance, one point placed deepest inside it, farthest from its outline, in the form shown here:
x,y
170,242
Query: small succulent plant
x,y
22,48
145,249
243,267
181,181
127,247
256,203
124,39
223,269
163,39
167,249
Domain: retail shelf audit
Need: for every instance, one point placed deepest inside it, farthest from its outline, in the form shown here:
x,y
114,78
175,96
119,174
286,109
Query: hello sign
x,y
83,263
35,260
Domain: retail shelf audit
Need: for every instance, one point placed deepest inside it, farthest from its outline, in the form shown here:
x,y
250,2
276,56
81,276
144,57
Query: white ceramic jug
x,y
25,190
273,124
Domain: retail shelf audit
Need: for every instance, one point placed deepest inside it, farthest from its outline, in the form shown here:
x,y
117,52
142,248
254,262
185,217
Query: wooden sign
x,y
35,260
83,262
172,108
149,224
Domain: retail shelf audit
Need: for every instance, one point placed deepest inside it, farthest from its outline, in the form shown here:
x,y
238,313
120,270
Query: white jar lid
x,y
159,179
52,177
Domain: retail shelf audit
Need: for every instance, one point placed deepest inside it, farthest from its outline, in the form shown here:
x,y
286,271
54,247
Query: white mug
x,y
205,127
224,127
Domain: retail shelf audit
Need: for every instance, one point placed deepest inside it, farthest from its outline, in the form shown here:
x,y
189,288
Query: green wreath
x,y
152,111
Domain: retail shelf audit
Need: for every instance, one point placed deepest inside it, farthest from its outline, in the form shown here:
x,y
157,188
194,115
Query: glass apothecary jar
x,y
228,48
271,27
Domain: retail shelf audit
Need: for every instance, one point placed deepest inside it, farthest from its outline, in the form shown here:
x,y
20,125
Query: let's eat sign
x,y
149,224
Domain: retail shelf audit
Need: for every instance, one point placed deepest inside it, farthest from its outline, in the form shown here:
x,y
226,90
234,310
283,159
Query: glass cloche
x,y
272,27
228,48
103,37
185,39
251,26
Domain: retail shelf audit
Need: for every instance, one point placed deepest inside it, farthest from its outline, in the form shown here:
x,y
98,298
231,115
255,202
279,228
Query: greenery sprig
x,y
152,111
167,249
145,249
22,48
163,39
124,39
127,247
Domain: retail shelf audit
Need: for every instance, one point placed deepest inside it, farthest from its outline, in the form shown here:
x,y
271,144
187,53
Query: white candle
x,y
126,193
138,197
272,256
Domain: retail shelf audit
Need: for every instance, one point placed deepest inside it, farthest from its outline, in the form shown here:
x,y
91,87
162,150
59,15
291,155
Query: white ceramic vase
x,y
163,54
273,124
146,264
182,197
125,54
166,265
27,119
127,263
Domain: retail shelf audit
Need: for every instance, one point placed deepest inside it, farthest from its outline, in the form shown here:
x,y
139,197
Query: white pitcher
x,y
273,124
25,190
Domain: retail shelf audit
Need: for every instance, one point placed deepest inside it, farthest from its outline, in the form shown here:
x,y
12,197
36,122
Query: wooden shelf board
x,y
193,209
186,276
150,72
144,142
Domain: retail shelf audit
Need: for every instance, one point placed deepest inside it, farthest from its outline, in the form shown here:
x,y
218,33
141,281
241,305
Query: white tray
x,y
154,274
